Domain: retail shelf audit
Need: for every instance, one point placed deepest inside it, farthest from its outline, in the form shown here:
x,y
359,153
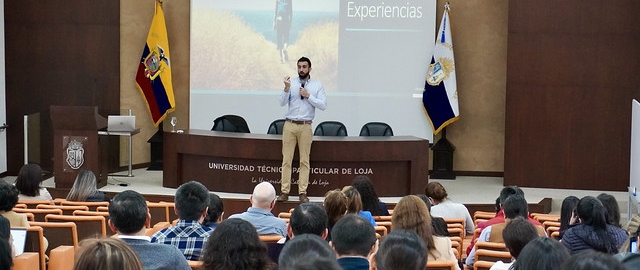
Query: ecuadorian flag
x,y
154,70
440,96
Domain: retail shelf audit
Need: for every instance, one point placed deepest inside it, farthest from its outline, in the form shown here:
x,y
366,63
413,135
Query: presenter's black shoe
x,y
283,197
303,198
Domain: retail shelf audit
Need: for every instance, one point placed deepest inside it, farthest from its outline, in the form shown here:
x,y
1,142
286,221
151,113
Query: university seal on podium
x,y
75,154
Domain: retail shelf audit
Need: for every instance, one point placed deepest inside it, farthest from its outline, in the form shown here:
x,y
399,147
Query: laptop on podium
x,y
121,123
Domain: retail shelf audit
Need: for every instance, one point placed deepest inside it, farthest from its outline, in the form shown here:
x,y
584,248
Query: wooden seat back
x,y
66,209
88,226
59,234
61,258
35,243
34,204
440,265
39,214
91,205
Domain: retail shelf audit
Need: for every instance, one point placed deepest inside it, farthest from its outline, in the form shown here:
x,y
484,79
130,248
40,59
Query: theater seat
x,y
376,129
330,128
230,123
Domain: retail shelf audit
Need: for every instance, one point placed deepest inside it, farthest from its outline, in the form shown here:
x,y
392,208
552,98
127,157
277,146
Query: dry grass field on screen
x,y
227,54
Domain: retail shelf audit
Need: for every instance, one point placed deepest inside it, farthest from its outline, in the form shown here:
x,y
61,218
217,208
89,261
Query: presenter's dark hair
x,y
308,218
128,211
400,250
216,208
192,198
29,179
515,206
309,252
8,196
305,59
353,235
370,200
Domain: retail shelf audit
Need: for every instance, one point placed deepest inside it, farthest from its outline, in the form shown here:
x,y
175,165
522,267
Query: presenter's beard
x,y
302,75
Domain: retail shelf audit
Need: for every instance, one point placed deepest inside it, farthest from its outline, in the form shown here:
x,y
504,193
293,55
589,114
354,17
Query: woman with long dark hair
x,y
593,232
568,216
28,183
370,200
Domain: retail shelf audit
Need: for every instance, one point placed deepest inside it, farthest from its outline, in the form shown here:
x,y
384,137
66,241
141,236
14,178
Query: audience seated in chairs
x,y
307,218
7,250
234,244
593,232
84,189
354,204
438,224
335,204
542,253
400,250
128,216
445,208
28,184
330,128
613,210
215,213
568,216
591,260
353,239
230,123
308,251
376,129
259,214
106,254
369,197
499,218
514,206
516,234
189,235
411,214
9,199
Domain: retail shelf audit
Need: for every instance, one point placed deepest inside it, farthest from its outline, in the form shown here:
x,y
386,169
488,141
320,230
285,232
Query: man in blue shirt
x,y
128,215
189,235
303,95
259,214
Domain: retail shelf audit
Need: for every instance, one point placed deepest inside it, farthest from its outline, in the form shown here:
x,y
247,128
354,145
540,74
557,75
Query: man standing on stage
x,y
303,95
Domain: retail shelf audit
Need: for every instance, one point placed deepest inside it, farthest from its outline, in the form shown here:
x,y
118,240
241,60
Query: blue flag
x,y
440,96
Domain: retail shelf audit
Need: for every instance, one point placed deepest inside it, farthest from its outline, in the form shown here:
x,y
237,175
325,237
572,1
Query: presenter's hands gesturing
x,y
287,83
304,92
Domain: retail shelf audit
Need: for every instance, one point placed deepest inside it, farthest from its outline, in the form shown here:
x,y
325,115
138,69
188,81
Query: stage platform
x,y
477,193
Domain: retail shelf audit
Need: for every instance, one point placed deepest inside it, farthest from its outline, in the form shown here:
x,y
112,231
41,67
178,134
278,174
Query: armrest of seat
x,y
61,258
26,261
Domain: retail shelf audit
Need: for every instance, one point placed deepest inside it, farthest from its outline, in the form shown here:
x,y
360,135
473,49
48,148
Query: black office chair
x,y
230,123
276,127
330,128
376,129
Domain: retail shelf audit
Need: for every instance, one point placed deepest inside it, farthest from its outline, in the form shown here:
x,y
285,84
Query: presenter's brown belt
x,y
299,122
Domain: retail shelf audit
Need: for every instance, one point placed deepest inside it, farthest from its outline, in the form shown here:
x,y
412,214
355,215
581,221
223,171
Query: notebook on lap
x,y
19,236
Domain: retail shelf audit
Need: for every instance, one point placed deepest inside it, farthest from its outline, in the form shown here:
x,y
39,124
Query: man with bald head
x,y
259,214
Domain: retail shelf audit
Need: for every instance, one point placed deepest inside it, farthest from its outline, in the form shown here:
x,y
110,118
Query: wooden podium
x,y
76,144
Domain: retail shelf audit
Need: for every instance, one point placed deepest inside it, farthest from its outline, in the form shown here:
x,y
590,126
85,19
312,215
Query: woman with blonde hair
x,y
106,254
354,204
335,203
412,214
84,189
